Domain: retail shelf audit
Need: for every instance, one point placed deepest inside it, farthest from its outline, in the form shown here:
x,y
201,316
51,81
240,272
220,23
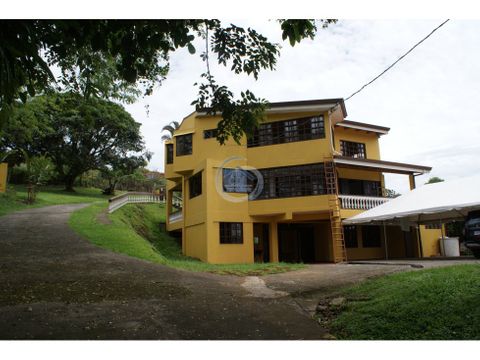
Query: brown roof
x,y
273,105
381,164
338,101
373,127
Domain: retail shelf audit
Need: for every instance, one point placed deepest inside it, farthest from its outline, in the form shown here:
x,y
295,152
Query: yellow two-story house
x,y
281,194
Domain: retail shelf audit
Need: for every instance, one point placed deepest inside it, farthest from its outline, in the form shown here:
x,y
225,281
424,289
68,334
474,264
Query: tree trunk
x,y
69,181
110,190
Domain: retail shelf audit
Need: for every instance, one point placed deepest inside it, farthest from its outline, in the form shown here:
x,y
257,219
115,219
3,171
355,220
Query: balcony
x,y
356,202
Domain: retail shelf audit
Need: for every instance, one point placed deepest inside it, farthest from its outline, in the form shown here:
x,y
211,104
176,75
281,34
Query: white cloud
x,y
430,99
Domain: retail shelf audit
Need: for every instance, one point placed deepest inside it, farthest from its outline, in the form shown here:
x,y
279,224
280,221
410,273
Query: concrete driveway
x,y
56,285
308,285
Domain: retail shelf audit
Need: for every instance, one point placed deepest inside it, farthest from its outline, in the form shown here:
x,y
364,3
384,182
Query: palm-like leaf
x,y
170,128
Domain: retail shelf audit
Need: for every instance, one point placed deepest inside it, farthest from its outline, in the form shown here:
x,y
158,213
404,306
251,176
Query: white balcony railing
x,y
356,202
176,216
117,202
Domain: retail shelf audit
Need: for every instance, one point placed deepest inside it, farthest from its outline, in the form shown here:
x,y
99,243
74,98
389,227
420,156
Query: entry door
x,y
261,244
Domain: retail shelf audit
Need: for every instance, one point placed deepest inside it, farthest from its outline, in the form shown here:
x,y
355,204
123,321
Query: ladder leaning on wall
x,y
331,181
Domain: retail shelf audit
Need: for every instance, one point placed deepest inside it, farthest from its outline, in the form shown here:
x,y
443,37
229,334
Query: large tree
x,y
135,54
78,134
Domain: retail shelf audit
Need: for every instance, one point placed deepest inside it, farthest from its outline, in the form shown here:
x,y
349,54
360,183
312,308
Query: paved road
x,y
56,285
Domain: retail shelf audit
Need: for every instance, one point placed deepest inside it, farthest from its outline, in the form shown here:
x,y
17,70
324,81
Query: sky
x,y
430,100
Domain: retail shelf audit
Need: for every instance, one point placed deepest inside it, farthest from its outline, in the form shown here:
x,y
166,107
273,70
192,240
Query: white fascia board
x,y
381,166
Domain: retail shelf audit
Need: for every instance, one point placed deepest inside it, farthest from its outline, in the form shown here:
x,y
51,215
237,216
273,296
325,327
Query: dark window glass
x,y
350,234
195,185
285,131
238,181
371,236
353,149
184,144
210,133
303,180
231,233
169,149
360,187
433,226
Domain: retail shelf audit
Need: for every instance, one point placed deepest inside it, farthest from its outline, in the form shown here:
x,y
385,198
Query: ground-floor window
x,y
371,236
231,233
350,235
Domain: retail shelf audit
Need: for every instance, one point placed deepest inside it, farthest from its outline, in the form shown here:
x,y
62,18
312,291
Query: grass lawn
x,y
434,304
135,231
49,195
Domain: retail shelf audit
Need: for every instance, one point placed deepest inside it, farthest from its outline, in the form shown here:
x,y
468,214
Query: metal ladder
x,y
331,181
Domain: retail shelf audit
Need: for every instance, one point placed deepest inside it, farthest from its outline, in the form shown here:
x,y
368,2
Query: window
x,y
292,181
169,151
371,236
433,226
353,149
238,181
210,133
195,185
360,187
350,235
231,233
285,131
184,144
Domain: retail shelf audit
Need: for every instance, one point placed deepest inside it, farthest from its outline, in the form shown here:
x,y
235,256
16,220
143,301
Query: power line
x,y
398,60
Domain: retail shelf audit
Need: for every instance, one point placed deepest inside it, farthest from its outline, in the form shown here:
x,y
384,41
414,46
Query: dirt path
x,y
56,285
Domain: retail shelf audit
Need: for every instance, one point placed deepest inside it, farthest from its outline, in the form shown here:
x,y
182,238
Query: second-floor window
x,y
238,181
195,185
353,149
169,150
285,131
184,144
291,181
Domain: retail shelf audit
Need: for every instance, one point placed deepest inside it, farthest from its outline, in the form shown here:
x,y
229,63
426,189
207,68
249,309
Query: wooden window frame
x,y
293,181
231,232
184,146
210,134
353,149
287,131
195,185
169,153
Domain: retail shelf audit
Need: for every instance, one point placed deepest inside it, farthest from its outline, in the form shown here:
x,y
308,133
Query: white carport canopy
x,y
432,203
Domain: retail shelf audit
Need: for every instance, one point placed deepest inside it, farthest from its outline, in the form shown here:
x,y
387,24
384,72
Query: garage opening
x,y
296,243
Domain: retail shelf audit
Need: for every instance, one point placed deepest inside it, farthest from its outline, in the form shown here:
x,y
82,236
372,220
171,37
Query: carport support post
x,y
385,239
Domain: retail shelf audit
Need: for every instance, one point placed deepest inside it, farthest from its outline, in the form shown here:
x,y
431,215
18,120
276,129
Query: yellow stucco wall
x,y
370,140
3,177
195,241
361,252
430,241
